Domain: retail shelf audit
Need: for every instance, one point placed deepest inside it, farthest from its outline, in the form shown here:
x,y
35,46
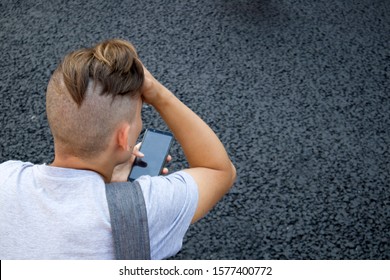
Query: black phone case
x,y
143,138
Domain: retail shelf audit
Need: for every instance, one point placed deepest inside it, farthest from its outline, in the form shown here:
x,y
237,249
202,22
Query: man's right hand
x,y
152,89
210,165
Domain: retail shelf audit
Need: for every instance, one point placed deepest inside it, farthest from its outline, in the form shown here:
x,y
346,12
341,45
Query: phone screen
x,y
155,146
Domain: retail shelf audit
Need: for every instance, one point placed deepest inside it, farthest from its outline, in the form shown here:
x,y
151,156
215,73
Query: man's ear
x,y
123,137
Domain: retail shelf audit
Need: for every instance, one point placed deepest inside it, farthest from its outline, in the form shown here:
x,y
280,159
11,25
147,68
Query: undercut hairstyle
x,y
90,93
113,63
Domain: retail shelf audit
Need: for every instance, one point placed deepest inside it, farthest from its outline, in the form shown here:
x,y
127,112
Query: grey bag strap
x,y
129,221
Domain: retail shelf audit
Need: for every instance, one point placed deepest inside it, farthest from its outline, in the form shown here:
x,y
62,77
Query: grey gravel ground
x,y
298,91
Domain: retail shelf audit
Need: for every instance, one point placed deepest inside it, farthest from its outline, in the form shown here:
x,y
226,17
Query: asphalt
x,y
298,92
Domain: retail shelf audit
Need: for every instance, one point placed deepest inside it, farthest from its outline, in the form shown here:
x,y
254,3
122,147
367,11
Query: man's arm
x,y
209,163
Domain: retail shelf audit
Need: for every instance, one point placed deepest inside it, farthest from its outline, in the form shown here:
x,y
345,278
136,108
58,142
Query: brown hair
x,y
90,93
114,64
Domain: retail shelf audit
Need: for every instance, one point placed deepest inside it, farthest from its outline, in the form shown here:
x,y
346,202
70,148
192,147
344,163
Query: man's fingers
x,y
136,151
165,170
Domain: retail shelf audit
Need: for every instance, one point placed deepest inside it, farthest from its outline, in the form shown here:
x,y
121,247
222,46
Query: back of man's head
x,y
90,93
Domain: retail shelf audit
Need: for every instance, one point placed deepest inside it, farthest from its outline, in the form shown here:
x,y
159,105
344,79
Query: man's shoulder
x,y
13,164
171,192
173,181
171,202
11,167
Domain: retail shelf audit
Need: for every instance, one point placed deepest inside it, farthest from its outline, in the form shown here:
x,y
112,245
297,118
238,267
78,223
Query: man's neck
x,y
77,163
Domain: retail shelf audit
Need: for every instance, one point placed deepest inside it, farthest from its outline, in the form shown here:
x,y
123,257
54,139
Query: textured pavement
x,y
298,91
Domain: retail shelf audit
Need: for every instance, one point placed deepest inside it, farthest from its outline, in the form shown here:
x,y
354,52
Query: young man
x,y
93,102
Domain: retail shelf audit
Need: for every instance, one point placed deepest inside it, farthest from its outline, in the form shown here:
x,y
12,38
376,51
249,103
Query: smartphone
x,y
155,146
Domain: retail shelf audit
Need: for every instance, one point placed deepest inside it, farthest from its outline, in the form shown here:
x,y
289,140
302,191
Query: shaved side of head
x,y
91,92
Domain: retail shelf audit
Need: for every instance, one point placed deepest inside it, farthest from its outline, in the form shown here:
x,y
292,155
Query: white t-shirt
x,y
59,213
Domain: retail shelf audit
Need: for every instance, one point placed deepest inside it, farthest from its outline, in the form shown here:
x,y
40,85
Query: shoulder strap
x,y
129,221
